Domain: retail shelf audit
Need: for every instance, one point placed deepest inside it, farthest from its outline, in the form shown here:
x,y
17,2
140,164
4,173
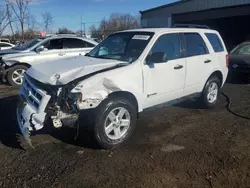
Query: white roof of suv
x,y
160,30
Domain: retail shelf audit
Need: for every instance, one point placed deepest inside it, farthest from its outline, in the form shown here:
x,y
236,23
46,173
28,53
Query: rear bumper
x,y
238,74
239,68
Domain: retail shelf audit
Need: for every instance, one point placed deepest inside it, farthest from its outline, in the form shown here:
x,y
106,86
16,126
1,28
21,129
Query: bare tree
x,y
116,22
31,22
4,22
9,14
95,32
20,9
47,21
64,30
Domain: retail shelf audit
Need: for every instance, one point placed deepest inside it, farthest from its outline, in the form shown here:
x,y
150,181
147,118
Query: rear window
x,y
215,42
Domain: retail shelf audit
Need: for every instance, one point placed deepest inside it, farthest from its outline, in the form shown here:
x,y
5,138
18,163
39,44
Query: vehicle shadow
x,y
190,104
69,135
238,79
8,123
9,128
83,136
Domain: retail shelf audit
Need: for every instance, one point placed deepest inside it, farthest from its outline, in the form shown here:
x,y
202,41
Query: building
x,y
230,17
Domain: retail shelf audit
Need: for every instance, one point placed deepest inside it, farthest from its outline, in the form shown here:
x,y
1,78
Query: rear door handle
x,y
178,67
207,61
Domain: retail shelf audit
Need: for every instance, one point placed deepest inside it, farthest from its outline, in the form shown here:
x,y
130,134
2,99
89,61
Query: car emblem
x,y
235,66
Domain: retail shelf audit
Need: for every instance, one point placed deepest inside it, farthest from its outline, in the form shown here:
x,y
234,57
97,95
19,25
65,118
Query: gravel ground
x,y
179,147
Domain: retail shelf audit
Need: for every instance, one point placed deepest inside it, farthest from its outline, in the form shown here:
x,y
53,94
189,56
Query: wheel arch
x,y
19,63
127,95
219,75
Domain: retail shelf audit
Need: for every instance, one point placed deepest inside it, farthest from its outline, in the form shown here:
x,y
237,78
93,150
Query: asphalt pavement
x,y
180,147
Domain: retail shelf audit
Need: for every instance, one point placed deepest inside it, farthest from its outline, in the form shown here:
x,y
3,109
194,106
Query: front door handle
x,y
178,67
207,61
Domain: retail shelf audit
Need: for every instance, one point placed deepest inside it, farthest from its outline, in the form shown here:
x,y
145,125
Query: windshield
x,y
28,44
124,46
242,49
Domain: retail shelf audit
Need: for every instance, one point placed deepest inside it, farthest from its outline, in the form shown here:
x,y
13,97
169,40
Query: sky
x,y
67,13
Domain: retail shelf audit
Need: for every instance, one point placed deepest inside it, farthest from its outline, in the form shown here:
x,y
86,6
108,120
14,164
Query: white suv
x,y
127,73
43,49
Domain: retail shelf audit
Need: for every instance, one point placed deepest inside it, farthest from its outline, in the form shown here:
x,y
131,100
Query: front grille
x,y
32,96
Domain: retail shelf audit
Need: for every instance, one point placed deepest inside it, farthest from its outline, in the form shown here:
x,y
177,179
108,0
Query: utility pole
x,y
84,29
81,26
104,28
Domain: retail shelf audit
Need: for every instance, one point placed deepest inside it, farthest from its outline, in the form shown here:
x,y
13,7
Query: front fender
x,y
94,90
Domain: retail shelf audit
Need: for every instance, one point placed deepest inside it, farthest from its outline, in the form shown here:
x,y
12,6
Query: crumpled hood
x,y
68,69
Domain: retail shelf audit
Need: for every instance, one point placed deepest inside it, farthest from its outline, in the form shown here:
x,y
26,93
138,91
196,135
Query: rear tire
x,y
115,122
15,75
210,92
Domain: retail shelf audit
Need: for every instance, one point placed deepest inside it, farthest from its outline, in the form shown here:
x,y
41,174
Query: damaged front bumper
x,y
30,110
28,120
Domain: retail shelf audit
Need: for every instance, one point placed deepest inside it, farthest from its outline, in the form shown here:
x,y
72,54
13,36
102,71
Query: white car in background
x,y
4,40
6,45
43,49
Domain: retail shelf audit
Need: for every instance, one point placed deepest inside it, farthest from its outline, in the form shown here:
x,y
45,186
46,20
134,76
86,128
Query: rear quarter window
x,y
215,42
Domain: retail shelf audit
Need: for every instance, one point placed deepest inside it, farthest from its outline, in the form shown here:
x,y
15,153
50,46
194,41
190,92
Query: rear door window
x,y
54,44
195,45
76,43
215,42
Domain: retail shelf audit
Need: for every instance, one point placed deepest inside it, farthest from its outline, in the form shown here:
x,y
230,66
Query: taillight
x,y
227,60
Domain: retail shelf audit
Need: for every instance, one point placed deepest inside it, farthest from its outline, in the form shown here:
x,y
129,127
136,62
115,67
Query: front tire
x,y
210,92
115,122
15,75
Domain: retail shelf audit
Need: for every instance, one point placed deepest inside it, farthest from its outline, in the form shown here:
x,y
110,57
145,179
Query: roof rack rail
x,y
190,26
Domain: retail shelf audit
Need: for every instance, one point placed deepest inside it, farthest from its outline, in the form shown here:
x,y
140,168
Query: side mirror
x,y
157,57
40,48
103,51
